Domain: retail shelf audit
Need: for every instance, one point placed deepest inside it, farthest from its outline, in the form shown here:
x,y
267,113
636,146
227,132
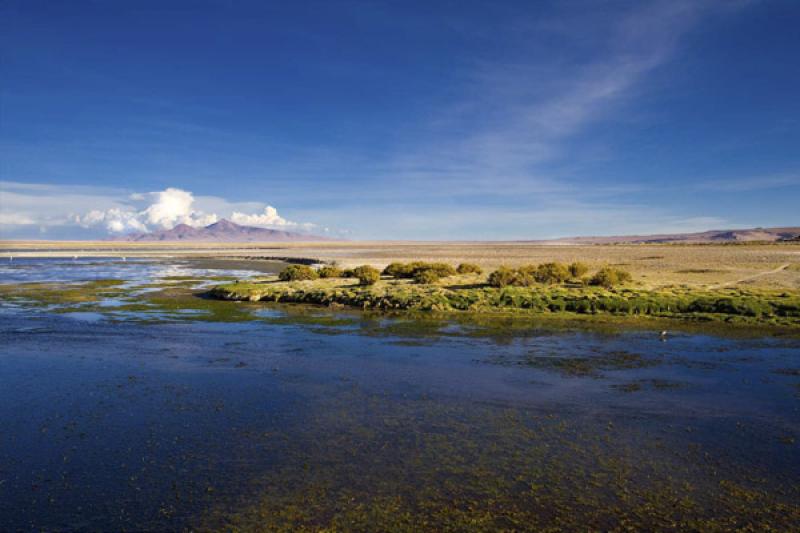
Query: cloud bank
x,y
41,209
166,209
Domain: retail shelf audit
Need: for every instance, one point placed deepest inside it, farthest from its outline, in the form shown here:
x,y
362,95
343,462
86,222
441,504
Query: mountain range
x,y
222,231
711,236
227,231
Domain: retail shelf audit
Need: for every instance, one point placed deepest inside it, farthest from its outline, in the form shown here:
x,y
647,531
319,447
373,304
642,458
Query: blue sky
x,y
399,120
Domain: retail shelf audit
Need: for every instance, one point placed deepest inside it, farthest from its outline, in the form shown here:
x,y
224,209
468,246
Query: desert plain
x,y
754,265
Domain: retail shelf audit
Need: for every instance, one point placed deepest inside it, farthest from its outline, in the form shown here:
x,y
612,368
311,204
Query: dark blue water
x,y
367,420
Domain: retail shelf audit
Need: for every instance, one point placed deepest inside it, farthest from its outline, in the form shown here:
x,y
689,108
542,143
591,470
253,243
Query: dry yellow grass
x,y
756,265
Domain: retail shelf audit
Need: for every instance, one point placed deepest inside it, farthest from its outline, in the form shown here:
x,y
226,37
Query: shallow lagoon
x,y
298,418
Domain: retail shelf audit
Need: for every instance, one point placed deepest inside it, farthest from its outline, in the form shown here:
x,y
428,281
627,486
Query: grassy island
x,y
474,292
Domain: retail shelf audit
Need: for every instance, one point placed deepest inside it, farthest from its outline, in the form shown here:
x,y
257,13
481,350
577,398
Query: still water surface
x,y
308,419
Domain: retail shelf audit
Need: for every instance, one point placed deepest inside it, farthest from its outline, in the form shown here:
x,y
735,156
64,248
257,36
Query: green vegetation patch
x,y
730,306
426,273
173,300
62,293
178,300
733,305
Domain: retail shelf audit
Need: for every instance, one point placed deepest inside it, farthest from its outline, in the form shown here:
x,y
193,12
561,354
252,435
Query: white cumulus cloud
x,y
171,207
116,220
269,218
25,208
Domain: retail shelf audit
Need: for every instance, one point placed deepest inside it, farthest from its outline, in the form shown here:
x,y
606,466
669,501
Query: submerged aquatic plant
x,y
362,463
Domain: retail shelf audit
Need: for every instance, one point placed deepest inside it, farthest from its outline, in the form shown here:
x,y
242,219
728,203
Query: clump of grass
x,y
551,273
367,275
502,277
298,273
396,270
404,270
527,275
330,271
610,277
469,268
441,269
426,276
577,269
419,271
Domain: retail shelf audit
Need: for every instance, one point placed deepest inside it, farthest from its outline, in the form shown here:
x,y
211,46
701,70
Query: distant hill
x,y
227,231
712,236
222,231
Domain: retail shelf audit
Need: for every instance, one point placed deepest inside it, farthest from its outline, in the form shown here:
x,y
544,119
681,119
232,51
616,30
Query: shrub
x,y
578,270
609,277
413,267
297,273
525,276
426,276
367,275
348,273
404,270
396,270
469,268
502,277
410,270
441,269
330,271
551,273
